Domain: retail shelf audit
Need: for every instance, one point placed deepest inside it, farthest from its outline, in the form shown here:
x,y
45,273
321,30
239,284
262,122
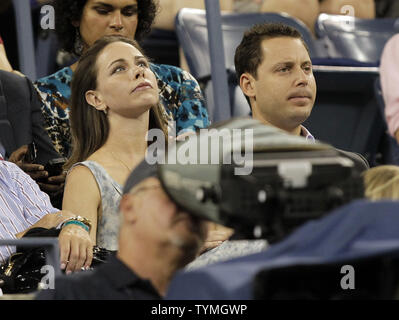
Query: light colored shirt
x,y
111,193
22,204
2,151
389,75
307,135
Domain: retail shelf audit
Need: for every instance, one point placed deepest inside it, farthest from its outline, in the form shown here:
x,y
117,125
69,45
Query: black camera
x,y
290,181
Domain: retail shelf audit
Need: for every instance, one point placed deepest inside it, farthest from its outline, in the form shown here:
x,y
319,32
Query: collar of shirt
x,y
121,276
2,151
307,135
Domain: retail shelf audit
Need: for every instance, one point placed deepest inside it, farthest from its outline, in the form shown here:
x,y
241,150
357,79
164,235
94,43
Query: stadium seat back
x,y
191,29
346,113
354,38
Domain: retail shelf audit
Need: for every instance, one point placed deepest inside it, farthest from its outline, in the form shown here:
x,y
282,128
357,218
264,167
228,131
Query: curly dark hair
x,y
67,11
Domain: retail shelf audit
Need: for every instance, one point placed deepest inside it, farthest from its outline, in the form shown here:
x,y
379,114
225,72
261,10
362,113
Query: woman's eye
x,y
143,64
118,69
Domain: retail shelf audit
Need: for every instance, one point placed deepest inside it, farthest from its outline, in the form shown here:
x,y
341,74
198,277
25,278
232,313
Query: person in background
x,y
382,182
114,102
78,25
308,10
23,207
386,8
389,77
275,73
4,63
23,139
156,239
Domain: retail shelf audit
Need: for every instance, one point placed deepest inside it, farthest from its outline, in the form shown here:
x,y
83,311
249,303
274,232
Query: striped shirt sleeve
x,y
22,204
35,202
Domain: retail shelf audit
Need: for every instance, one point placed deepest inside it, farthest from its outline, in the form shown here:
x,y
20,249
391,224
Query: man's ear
x,y
127,208
75,23
94,99
247,84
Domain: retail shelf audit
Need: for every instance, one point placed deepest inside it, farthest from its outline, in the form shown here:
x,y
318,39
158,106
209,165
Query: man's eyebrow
x,y
283,63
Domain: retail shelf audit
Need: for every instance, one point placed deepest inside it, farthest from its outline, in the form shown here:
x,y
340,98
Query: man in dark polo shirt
x,y
156,239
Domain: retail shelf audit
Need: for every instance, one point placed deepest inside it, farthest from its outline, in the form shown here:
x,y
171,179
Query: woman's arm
x,y
82,196
389,77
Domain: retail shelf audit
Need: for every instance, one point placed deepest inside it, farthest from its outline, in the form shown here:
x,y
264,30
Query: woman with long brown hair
x,y
115,102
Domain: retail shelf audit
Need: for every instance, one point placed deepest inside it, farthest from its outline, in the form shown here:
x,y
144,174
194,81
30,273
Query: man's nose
x,y
302,78
116,21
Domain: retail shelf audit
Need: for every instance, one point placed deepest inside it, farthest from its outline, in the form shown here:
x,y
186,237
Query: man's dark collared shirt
x,y
111,281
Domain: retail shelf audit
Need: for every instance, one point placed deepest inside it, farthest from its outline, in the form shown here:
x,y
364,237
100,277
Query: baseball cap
x,y
141,172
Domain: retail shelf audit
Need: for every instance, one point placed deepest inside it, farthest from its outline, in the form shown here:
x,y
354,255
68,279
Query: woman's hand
x,y
76,248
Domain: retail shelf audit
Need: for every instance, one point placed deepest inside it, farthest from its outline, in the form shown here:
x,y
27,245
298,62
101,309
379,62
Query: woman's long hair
x,y
89,126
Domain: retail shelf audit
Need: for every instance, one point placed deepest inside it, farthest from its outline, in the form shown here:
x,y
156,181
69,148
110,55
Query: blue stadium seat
x,y
46,53
25,41
347,113
352,38
36,59
192,33
191,29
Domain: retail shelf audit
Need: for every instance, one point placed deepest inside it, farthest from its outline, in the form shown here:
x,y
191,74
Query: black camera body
x,y
284,190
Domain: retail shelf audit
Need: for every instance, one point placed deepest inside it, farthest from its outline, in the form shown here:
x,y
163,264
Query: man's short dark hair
x,y
248,55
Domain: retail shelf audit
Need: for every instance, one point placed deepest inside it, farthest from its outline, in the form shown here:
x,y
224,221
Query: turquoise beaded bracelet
x,y
79,223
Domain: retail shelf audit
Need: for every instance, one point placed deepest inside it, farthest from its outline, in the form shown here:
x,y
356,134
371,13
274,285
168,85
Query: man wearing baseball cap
x,y
156,238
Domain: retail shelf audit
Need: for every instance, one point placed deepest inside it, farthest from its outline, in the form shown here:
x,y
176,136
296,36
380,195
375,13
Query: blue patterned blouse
x,y
180,96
